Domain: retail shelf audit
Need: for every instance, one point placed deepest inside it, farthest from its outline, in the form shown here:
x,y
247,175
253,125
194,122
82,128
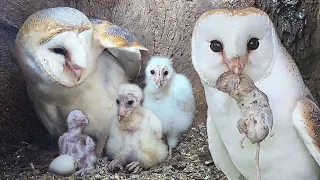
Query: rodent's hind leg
x,y
243,137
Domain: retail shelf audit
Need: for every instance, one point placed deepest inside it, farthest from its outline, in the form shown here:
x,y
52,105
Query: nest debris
x,y
189,162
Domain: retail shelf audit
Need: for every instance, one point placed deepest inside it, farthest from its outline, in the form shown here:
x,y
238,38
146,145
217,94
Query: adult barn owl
x,y
63,61
245,41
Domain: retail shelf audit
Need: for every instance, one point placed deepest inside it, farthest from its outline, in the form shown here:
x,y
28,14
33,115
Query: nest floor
x,y
190,161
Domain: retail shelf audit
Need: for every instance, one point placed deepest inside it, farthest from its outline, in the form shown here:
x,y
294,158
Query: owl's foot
x,y
83,171
115,166
133,167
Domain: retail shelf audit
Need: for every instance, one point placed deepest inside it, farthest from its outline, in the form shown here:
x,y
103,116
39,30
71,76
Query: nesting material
x,y
188,162
256,119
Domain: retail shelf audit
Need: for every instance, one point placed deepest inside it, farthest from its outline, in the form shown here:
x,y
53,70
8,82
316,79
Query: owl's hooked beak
x,y
75,69
236,64
159,82
122,113
82,120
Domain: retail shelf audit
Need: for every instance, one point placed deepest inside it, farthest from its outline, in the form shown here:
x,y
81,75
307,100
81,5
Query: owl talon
x,y
133,167
243,137
115,166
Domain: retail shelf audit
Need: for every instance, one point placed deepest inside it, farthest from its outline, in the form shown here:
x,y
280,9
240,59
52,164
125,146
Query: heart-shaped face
x,y
56,44
77,119
129,97
243,41
159,72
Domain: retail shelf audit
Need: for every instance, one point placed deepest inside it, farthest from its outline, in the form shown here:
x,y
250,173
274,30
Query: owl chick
x,y
78,145
135,140
256,118
169,95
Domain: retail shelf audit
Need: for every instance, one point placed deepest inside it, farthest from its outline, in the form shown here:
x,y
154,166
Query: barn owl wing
x,y
306,119
121,43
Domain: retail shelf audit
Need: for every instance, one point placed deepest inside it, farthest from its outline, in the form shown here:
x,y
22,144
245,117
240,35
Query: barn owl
x,y
135,141
245,41
169,95
72,62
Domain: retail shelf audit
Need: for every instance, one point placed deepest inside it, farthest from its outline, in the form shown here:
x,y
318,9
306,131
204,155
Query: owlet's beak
x,y
159,82
122,112
82,120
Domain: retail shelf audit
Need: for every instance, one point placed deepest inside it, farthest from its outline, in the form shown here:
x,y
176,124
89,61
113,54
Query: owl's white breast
x,y
283,156
96,103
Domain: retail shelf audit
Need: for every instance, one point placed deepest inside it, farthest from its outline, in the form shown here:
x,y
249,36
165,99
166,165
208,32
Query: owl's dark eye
x,y
60,51
216,46
130,102
152,71
166,73
117,101
253,44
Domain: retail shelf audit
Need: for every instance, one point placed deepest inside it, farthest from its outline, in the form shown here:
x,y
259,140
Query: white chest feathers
x,y
174,104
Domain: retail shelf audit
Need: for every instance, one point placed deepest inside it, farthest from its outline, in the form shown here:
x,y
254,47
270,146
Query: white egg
x,y
63,165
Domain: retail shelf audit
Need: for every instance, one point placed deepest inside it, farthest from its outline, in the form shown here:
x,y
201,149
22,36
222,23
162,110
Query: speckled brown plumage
x,y
311,119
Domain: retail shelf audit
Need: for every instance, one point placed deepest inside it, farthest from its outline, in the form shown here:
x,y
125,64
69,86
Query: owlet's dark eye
x,y
117,101
130,102
152,71
166,73
253,44
216,46
60,51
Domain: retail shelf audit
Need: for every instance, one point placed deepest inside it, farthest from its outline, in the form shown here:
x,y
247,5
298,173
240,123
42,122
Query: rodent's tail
x,y
257,161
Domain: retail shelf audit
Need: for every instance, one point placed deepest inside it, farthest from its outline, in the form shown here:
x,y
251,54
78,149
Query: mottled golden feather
x,y
35,25
120,38
234,12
